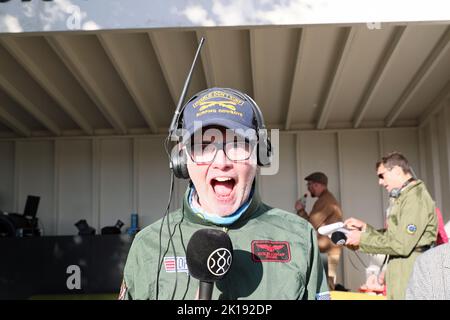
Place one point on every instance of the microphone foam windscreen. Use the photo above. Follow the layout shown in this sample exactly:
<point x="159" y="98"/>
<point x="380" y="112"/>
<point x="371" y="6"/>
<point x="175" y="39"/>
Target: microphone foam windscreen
<point x="209" y="254"/>
<point x="338" y="238"/>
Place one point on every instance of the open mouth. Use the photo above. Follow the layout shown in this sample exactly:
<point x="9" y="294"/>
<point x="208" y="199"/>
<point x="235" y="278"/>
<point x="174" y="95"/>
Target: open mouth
<point x="223" y="186"/>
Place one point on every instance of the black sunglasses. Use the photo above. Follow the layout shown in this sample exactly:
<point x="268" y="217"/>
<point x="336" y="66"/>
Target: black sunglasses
<point x="381" y="175"/>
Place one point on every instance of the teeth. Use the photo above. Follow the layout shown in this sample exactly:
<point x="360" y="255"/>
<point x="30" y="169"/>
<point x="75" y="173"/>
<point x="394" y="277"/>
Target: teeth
<point x="221" y="179"/>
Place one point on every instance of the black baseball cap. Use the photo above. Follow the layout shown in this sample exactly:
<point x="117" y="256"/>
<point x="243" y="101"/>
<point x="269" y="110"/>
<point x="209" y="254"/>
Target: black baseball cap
<point x="219" y="107"/>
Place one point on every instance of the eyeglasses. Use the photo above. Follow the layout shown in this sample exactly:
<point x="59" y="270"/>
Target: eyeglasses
<point x="381" y="175"/>
<point x="205" y="152"/>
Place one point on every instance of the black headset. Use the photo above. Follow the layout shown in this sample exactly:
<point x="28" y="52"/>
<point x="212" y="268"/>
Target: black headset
<point x="178" y="161"/>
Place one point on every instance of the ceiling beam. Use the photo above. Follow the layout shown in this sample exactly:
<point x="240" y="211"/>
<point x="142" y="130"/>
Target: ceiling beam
<point x="380" y="74"/>
<point x="38" y="73"/>
<point x="87" y="81"/>
<point x="207" y="60"/>
<point x="28" y="105"/>
<point x="336" y="76"/>
<point x="299" y="66"/>
<point x="129" y="80"/>
<point x="419" y="78"/>
<point x="156" y="40"/>
<point x="13" y="123"/>
<point x="435" y="106"/>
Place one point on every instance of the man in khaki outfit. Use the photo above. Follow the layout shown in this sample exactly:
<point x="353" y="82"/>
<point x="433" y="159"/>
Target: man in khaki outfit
<point x="411" y="225"/>
<point x="326" y="210"/>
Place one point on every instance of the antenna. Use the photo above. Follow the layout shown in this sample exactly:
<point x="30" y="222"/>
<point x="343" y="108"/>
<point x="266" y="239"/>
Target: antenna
<point x="176" y="116"/>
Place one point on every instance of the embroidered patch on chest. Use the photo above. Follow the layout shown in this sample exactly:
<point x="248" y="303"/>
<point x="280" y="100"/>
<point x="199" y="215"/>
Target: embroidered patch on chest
<point x="271" y="251"/>
<point x="411" y="229"/>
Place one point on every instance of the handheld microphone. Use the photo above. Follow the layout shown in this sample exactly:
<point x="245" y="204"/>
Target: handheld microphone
<point x="303" y="200"/>
<point x="339" y="238"/>
<point x="336" y="231"/>
<point x="209" y="256"/>
<point x="330" y="228"/>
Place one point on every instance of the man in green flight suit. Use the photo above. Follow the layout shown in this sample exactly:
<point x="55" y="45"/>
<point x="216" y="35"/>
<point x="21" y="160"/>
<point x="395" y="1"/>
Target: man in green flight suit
<point x="275" y="256"/>
<point x="411" y="225"/>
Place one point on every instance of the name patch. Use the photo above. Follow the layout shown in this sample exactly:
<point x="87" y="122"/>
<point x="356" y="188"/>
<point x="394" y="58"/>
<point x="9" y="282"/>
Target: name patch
<point x="271" y="251"/>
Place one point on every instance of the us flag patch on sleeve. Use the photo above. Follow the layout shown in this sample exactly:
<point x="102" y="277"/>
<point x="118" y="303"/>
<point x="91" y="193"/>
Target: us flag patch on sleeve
<point x="323" y="296"/>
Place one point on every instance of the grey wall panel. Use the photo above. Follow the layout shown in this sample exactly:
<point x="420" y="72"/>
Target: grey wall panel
<point x="435" y="137"/>
<point x="427" y="166"/>
<point x="280" y="190"/>
<point x="74" y="188"/>
<point x="443" y="140"/>
<point x="7" y="176"/>
<point x="116" y="181"/>
<point x="361" y="196"/>
<point x="430" y="147"/>
<point x="153" y="179"/>
<point x="35" y="170"/>
<point x="447" y="148"/>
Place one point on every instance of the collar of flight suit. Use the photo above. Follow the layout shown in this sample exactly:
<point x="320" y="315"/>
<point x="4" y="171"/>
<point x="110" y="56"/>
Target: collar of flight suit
<point x="409" y="187"/>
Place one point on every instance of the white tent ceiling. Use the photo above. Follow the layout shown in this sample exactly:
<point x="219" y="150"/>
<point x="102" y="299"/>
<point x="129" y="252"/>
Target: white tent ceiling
<point x="314" y="77"/>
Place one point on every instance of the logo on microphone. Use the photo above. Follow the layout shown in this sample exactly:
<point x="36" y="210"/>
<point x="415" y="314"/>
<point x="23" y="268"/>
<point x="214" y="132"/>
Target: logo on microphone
<point x="219" y="261"/>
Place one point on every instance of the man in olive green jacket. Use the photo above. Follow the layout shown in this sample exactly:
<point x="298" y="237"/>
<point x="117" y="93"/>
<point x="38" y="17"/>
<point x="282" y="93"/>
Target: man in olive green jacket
<point x="411" y="224"/>
<point x="275" y="253"/>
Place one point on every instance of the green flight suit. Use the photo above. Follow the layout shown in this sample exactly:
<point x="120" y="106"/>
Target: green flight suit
<point x="275" y="257"/>
<point x="411" y="224"/>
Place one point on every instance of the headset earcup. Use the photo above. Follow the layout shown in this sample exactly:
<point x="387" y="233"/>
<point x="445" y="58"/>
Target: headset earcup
<point x="395" y="193"/>
<point x="264" y="149"/>
<point x="179" y="165"/>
